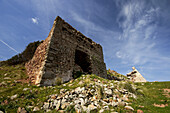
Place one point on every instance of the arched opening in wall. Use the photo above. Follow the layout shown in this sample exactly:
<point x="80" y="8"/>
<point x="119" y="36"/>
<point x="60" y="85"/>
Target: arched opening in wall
<point x="82" y="62"/>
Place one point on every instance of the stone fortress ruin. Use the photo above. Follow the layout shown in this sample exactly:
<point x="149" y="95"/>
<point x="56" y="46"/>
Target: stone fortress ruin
<point x="63" y="52"/>
<point x="135" y="76"/>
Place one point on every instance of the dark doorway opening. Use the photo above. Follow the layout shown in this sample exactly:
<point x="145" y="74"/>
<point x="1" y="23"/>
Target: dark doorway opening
<point x="83" y="60"/>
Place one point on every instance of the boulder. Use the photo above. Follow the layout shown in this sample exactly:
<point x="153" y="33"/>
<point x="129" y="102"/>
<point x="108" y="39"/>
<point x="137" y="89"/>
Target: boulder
<point x="101" y="111"/>
<point x="46" y="105"/>
<point x="25" y="89"/>
<point x="77" y="107"/>
<point x="109" y="92"/>
<point x="139" y="111"/>
<point x="84" y="108"/>
<point x="58" y="105"/>
<point x="79" y="90"/>
<point x="21" y="110"/>
<point x="129" y="108"/>
<point x="64" y="105"/>
<point x="106" y="107"/>
<point x="36" y="109"/>
<point x="91" y="107"/>
<point x="14" y="96"/>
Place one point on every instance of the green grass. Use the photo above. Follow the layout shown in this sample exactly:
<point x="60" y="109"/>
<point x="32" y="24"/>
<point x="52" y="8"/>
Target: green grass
<point x="153" y="93"/>
<point x="35" y="96"/>
<point x="148" y="93"/>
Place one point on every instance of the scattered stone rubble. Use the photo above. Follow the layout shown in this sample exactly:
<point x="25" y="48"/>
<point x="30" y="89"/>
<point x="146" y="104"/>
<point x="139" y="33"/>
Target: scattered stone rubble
<point x="135" y="76"/>
<point x="91" y="97"/>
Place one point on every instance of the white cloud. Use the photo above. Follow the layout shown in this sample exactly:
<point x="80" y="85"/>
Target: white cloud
<point x="35" y="20"/>
<point x="139" y="40"/>
<point x="139" y="29"/>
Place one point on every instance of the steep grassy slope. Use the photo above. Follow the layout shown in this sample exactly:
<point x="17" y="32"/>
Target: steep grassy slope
<point x="16" y="91"/>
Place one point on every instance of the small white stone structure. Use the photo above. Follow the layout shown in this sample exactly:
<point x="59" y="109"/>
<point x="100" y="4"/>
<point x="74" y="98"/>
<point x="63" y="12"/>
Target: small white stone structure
<point x="135" y="76"/>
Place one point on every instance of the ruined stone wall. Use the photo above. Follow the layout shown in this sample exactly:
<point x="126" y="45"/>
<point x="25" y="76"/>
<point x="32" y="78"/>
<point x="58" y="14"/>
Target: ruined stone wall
<point x="36" y="64"/>
<point x="67" y="50"/>
<point x="135" y="76"/>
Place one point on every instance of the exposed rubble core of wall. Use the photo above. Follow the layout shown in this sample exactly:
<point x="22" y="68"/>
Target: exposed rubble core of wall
<point x="65" y="51"/>
<point x="135" y="76"/>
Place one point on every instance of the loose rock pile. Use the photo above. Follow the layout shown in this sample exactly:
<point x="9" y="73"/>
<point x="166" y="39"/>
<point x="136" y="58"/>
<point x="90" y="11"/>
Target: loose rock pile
<point x="95" y="96"/>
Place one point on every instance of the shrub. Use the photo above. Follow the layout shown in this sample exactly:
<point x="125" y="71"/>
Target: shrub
<point x="77" y="74"/>
<point x="58" y="81"/>
<point x="129" y="87"/>
<point x="100" y="93"/>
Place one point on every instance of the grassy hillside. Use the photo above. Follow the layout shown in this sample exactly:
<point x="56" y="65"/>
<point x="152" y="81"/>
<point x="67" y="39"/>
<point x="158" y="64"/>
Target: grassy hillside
<point x="156" y="97"/>
<point x="16" y="91"/>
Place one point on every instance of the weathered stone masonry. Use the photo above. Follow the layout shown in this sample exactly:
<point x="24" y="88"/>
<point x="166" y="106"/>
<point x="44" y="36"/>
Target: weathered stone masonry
<point x="65" y="50"/>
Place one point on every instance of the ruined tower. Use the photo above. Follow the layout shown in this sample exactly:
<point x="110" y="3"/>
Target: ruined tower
<point x="63" y="52"/>
<point x="135" y="76"/>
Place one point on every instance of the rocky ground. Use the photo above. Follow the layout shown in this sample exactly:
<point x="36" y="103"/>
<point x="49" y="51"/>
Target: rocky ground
<point x="87" y="93"/>
<point x="94" y="95"/>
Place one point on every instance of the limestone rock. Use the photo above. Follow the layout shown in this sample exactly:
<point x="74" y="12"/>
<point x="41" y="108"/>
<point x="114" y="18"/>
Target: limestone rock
<point x="21" y="110"/>
<point x="7" y="78"/>
<point x="14" y="96"/>
<point x="64" y="105"/>
<point x="46" y="105"/>
<point x="58" y="105"/>
<point x="101" y="111"/>
<point x="129" y="108"/>
<point x="25" y="89"/>
<point x="30" y="107"/>
<point x="106" y="107"/>
<point x="79" y="90"/>
<point x="91" y="107"/>
<point x="90" y="97"/>
<point x="84" y="108"/>
<point x="108" y="91"/>
<point x="48" y="110"/>
<point x="121" y="104"/>
<point x="139" y="111"/>
<point x="54" y="96"/>
<point x="36" y="109"/>
<point x="77" y="108"/>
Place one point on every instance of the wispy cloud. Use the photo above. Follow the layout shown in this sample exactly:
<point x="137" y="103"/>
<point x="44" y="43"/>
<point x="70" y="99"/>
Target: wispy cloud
<point x="139" y="29"/>
<point x="35" y="20"/>
<point x="89" y="26"/>
<point x="9" y="46"/>
<point x="99" y="34"/>
<point x="141" y="46"/>
<point x="46" y="11"/>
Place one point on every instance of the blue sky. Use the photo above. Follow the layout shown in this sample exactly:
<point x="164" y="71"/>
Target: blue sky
<point x="131" y="32"/>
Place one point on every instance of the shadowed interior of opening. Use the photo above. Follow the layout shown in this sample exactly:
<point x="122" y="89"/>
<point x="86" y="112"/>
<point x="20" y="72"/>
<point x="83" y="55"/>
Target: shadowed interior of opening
<point x="83" y="60"/>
